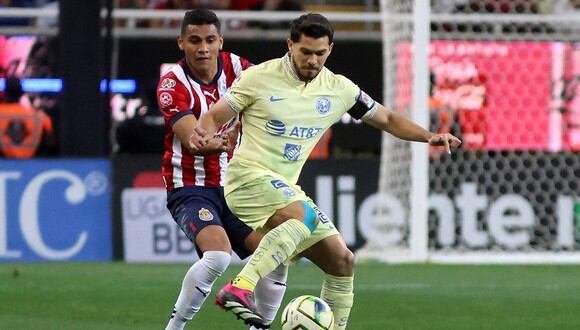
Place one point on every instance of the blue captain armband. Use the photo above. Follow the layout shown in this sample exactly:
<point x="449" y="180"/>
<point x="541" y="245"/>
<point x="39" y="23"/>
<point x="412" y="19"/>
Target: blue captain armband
<point x="364" y="107"/>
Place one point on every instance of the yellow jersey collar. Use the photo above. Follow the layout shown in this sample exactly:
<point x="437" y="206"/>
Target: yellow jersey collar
<point x="288" y="64"/>
<point x="292" y="70"/>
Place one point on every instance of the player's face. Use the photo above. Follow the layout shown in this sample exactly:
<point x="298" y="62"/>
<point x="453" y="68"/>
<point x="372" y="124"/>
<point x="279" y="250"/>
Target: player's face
<point x="309" y="55"/>
<point x="201" y="45"/>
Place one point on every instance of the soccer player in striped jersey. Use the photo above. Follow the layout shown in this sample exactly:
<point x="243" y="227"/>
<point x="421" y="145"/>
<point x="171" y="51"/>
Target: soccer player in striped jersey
<point x="286" y="105"/>
<point x="194" y="179"/>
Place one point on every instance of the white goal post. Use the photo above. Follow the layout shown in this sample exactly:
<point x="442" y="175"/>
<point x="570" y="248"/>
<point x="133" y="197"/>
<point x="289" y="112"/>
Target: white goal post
<point x="509" y="85"/>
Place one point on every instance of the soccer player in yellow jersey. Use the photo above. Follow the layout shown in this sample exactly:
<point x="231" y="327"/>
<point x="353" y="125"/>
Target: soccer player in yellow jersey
<point x="286" y="106"/>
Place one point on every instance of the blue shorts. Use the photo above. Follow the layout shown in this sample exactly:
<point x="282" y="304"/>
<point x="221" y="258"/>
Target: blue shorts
<point x="194" y="208"/>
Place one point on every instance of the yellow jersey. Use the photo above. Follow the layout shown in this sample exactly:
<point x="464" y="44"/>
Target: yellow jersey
<point x="283" y="118"/>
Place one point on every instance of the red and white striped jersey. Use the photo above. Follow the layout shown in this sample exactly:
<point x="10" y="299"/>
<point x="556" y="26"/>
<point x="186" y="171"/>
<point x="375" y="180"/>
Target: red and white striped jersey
<point x="179" y="93"/>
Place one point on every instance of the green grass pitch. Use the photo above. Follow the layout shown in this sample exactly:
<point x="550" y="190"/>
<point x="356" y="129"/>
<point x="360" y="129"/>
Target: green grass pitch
<point x="140" y="296"/>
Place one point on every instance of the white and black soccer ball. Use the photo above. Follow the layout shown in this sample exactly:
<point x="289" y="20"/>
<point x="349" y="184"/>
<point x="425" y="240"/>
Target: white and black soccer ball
<point x="307" y="313"/>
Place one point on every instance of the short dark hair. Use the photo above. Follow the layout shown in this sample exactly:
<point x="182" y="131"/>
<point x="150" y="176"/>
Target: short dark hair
<point x="12" y="90"/>
<point x="311" y="25"/>
<point x="200" y="16"/>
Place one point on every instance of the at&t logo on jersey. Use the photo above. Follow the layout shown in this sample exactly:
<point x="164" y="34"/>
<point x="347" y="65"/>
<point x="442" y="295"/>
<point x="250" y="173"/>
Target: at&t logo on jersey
<point x="278" y="128"/>
<point x="323" y="105"/>
<point x="292" y="151"/>
<point x="275" y="127"/>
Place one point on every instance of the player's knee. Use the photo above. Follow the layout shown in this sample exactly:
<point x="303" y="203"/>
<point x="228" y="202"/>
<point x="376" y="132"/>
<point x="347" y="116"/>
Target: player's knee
<point x="349" y="260"/>
<point x="344" y="263"/>
<point x="213" y="238"/>
<point x="310" y="219"/>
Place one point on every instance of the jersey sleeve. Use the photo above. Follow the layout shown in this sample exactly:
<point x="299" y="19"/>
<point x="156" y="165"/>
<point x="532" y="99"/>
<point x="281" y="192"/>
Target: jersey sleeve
<point x="241" y="94"/>
<point x="173" y="99"/>
<point x="359" y="104"/>
<point x="347" y="91"/>
<point x="245" y="63"/>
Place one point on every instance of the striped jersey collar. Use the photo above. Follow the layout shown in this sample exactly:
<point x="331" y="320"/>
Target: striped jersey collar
<point x="218" y="73"/>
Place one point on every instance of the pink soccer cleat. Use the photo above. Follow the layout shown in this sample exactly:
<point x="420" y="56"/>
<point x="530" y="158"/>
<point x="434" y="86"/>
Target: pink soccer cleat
<point x="241" y="303"/>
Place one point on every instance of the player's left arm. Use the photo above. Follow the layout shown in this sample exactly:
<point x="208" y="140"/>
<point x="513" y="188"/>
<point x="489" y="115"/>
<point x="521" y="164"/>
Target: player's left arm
<point x="406" y="129"/>
<point x="209" y="123"/>
<point x="183" y="128"/>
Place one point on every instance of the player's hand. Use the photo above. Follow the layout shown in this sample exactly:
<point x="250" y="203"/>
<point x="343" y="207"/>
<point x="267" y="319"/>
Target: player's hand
<point x="198" y="139"/>
<point x="449" y="141"/>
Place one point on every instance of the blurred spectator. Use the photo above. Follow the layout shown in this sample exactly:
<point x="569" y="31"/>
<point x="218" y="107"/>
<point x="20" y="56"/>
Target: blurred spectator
<point x="266" y="5"/>
<point x="23" y="129"/>
<point x="132" y="4"/>
<point x="447" y="6"/>
<point x="290" y="5"/>
<point x="500" y="6"/>
<point x="42" y="58"/>
<point x="174" y="4"/>
<point x="558" y="6"/>
<point x="20" y="21"/>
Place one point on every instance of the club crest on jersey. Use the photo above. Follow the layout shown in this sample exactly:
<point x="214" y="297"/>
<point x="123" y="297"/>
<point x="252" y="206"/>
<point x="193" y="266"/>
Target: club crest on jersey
<point x="292" y="151"/>
<point x="167" y="84"/>
<point x="165" y="99"/>
<point x="323" y="105"/>
<point x="205" y="214"/>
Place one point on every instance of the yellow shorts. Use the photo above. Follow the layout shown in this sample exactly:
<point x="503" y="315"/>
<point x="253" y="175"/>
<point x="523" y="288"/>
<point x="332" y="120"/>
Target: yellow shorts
<point x="256" y="201"/>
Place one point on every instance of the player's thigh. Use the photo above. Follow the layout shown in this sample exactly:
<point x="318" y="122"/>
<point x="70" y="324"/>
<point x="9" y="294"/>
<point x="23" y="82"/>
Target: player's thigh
<point x="332" y="256"/>
<point x="257" y="201"/>
<point x="197" y="213"/>
<point x="243" y="239"/>
<point x="294" y="210"/>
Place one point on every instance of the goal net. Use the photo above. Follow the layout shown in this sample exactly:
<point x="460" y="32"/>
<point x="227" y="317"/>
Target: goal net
<point x="504" y="76"/>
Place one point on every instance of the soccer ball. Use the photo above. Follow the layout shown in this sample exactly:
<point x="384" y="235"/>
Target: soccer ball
<point x="307" y="313"/>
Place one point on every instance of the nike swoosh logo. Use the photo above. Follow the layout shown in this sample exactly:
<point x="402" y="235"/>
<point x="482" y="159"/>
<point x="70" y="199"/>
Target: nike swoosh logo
<point x="276" y="99"/>
<point x="204" y="293"/>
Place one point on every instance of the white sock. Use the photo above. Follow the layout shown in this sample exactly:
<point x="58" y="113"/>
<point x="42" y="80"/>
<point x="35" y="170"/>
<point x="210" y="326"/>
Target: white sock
<point x="269" y="293"/>
<point x="196" y="287"/>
